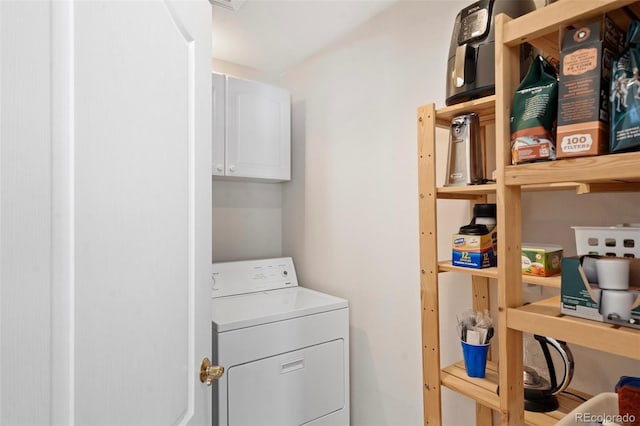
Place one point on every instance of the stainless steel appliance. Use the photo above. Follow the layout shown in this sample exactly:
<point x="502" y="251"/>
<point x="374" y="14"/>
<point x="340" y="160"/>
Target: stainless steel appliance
<point x="471" y="64"/>
<point x="465" y="162"/>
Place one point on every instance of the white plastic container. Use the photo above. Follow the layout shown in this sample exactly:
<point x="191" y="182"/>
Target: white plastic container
<point x="601" y="409"/>
<point x="620" y="241"/>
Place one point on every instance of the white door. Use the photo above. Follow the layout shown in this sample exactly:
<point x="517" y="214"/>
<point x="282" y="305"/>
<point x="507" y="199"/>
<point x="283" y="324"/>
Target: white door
<point x="258" y="130"/>
<point x="105" y="204"/>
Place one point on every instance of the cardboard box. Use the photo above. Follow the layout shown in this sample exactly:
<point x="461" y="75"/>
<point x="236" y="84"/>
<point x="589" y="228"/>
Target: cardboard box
<point x="474" y="251"/>
<point x="583" y="93"/>
<point x="543" y="260"/>
<point x="579" y="299"/>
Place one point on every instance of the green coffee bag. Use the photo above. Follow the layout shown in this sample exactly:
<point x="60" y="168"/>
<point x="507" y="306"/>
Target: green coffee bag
<point x="533" y="114"/>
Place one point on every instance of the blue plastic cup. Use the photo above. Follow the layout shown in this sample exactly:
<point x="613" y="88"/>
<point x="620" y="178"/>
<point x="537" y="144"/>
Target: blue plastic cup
<point x="475" y="358"/>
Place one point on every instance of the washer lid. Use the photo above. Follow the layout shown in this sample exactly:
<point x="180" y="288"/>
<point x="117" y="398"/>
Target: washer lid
<point x="247" y="310"/>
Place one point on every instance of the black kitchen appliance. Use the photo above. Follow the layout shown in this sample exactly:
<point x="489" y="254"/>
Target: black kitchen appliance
<point x="540" y="393"/>
<point x="471" y="64"/>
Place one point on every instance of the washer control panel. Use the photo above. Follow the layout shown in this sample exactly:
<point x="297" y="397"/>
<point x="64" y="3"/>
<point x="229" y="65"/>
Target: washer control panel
<point x="249" y="276"/>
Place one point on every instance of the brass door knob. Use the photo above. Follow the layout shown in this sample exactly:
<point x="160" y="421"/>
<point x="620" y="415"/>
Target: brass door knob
<point x="208" y="372"/>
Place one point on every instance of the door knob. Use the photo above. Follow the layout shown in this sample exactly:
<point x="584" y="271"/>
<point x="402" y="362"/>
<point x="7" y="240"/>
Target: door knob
<point x="220" y="167"/>
<point x="208" y="372"/>
<point x="232" y="168"/>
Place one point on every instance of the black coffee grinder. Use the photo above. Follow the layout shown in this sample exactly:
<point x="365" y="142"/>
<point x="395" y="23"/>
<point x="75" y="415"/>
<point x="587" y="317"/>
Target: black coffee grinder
<point x="471" y="64"/>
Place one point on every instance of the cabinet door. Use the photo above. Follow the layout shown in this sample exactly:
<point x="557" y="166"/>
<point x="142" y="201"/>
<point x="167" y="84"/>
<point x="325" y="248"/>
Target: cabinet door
<point x="258" y="130"/>
<point x="218" y="127"/>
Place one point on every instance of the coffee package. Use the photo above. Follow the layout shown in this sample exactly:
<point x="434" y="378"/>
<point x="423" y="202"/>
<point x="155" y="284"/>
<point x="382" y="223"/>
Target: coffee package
<point x="533" y="114"/>
<point x="583" y="97"/>
<point x="625" y="95"/>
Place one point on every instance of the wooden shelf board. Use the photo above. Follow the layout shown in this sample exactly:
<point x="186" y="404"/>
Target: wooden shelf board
<point x="544" y="318"/>
<point x="553" y="281"/>
<point x="484" y="107"/>
<point x="616" y="170"/>
<point x="474" y="192"/>
<point x="549" y="43"/>
<point x="567" y="404"/>
<point x="528" y="28"/>
<point x="610" y="187"/>
<point x="469" y="192"/>
<point x="580" y="188"/>
<point x="485" y="392"/>
<point x="446" y="266"/>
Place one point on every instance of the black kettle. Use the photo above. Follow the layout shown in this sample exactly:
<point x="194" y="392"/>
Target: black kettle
<point x="540" y="393"/>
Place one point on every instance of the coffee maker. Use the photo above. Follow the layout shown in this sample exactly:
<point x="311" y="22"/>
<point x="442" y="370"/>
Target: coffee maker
<point x="471" y="64"/>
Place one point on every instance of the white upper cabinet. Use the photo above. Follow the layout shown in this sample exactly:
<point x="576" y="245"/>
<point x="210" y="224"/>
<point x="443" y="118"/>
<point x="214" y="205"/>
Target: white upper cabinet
<point x="251" y="130"/>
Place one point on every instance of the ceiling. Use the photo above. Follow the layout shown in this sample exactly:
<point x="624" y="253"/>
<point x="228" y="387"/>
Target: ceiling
<point x="273" y="35"/>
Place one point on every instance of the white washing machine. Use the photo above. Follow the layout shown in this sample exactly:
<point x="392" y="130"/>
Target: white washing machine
<point x="285" y="348"/>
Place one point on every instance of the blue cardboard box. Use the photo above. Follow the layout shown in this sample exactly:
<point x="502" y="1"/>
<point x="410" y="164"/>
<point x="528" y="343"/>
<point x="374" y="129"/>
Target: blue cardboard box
<point x="474" y="251"/>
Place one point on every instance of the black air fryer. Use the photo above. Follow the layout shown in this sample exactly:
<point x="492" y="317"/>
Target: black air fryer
<point x="471" y="65"/>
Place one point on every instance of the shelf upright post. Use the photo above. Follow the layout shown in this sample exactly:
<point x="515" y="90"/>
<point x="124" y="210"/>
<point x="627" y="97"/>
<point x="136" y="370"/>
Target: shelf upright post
<point x="509" y="209"/>
<point x="481" y="288"/>
<point x="481" y="301"/>
<point x="427" y="203"/>
<point x="432" y="397"/>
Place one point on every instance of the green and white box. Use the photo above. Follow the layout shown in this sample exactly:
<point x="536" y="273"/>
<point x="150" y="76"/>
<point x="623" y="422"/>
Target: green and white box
<point x="579" y="298"/>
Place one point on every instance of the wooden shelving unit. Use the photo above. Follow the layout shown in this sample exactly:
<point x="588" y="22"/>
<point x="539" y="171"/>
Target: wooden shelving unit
<point x="608" y="173"/>
<point x="485" y="391"/>
<point x="544" y="318"/>
<point x="446" y="266"/>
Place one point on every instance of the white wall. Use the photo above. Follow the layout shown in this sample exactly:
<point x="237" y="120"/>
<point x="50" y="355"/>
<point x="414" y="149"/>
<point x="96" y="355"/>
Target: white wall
<point x="351" y="214"/>
<point x="351" y="211"/>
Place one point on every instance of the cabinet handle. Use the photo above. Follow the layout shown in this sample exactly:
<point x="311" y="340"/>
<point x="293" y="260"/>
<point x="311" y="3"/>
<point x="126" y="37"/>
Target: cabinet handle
<point x="232" y="168"/>
<point x="219" y="167"/>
